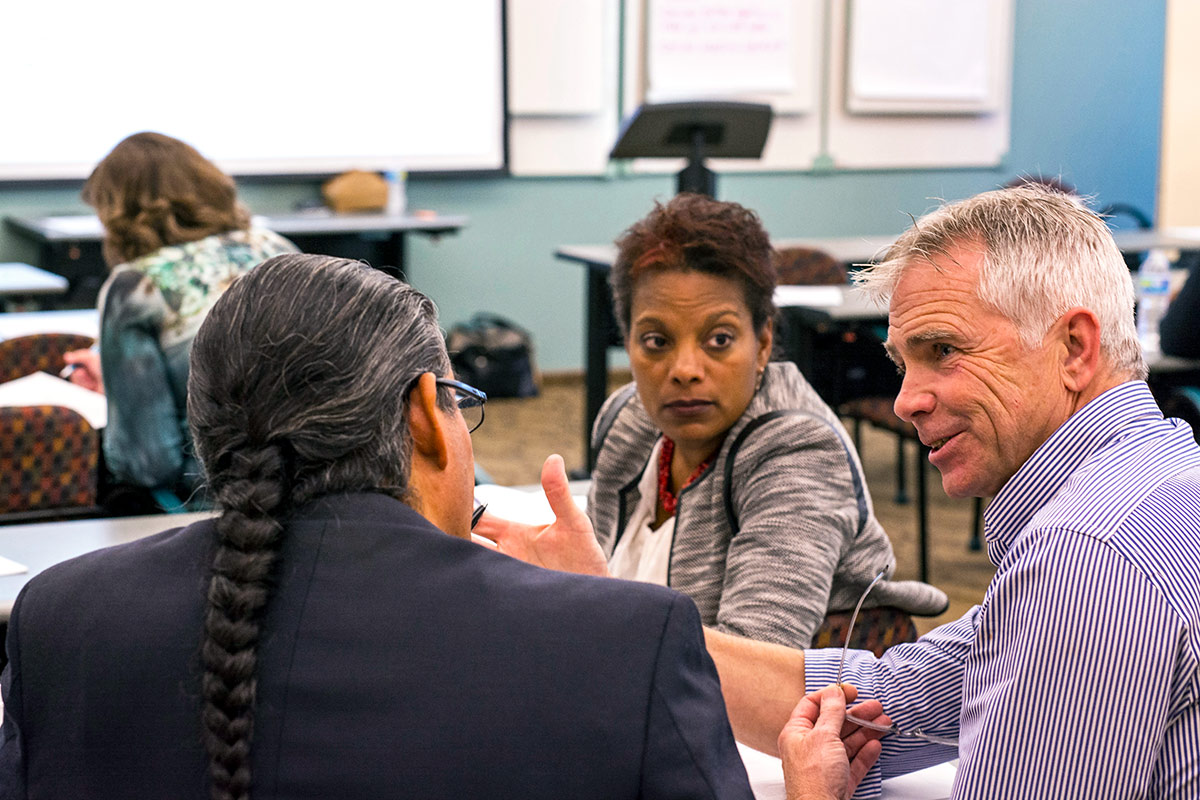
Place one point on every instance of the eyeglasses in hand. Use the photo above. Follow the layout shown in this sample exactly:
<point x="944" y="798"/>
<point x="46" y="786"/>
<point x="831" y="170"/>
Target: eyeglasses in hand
<point x="469" y="401"/>
<point x="916" y="733"/>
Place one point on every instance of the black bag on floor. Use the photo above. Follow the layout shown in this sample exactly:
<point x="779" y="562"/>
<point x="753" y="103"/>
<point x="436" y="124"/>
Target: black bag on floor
<point x="494" y="355"/>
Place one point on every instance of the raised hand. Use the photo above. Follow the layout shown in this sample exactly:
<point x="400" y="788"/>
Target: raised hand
<point x="568" y="544"/>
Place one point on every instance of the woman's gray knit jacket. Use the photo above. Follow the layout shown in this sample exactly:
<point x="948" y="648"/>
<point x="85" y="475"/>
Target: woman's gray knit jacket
<point x="777" y="532"/>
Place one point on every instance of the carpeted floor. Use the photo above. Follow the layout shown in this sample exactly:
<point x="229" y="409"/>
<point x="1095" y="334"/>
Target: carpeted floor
<point x="517" y="435"/>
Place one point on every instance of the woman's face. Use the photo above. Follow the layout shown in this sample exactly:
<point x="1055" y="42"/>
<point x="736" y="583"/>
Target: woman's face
<point x="695" y="355"/>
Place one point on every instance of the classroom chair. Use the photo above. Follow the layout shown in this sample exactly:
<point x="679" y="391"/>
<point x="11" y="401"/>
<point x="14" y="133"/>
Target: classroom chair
<point x="38" y="352"/>
<point x="1184" y="403"/>
<point x="806" y="266"/>
<point x="49" y="464"/>
<point x="877" y="629"/>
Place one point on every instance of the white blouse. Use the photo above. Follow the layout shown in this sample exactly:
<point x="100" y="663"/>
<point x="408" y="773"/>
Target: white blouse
<point x="643" y="554"/>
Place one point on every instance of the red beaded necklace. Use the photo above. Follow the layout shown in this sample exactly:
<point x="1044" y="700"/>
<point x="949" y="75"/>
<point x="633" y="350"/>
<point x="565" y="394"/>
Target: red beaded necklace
<point x="666" y="497"/>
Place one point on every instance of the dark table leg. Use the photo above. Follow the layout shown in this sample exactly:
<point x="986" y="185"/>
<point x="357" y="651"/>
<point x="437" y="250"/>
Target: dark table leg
<point x="397" y="254"/>
<point x="596" y="357"/>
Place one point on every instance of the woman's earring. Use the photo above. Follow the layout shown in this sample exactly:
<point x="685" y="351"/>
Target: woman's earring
<point x="758" y="379"/>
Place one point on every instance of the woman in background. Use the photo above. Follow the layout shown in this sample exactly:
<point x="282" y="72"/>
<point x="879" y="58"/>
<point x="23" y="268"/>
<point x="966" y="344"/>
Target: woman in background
<point x="719" y="473"/>
<point x="175" y="236"/>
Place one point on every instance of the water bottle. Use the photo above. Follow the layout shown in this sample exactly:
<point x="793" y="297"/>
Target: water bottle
<point x="1153" y="287"/>
<point x="396" y="196"/>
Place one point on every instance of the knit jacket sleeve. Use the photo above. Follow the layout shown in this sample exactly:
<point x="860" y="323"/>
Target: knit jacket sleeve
<point x="797" y="508"/>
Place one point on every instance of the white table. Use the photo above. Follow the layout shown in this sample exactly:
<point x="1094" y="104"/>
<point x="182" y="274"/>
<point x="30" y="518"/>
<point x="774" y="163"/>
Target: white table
<point x="932" y="783"/>
<point x="22" y="323"/>
<point x="22" y="279"/>
<point x="41" y="545"/>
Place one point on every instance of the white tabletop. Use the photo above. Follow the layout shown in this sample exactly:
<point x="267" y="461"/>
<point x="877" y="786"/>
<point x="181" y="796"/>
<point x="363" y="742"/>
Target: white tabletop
<point x="866" y="248"/>
<point x="41" y="545"/>
<point x="318" y="220"/>
<point x="846" y="249"/>
<point x="18" y="278"/>
<point x="84" y="321"/>
<point x="932" y="783"/>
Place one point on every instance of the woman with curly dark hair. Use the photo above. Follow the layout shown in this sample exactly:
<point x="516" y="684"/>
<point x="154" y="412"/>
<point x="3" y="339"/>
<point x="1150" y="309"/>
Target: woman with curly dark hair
<point x="720" y="473"/>
<point x="175" y="236"/>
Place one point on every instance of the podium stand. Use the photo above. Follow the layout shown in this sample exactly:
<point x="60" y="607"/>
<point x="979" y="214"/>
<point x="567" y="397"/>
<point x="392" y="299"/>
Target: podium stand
<point x="695" y="131"/>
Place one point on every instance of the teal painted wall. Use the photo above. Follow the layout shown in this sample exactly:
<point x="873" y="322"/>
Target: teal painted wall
<point x="1086" y="105"/>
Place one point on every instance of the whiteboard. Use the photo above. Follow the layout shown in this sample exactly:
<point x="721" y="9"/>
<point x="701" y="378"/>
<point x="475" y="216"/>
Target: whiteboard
<point x="703" y="49"/>
<point x="650" y="75"/>
<point x="556" y="57"/>
<point x="263" y="87"/>
<point x="914" y="131"/>
<point x="920" y="56"/>
<point x="563" y="116"/>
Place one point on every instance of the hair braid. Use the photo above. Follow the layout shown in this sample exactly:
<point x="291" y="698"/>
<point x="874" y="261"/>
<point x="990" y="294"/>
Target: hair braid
<point x="297" y="389"/>
<point x="250" y="535"/>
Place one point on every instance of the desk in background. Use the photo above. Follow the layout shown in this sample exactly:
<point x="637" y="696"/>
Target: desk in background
<point x="22" y="280"/>
<point x="70" y="245"/>
<point x="601" y="330"/>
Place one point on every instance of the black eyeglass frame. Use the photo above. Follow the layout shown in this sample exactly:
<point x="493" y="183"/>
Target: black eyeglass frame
<point x="467" y="397"/>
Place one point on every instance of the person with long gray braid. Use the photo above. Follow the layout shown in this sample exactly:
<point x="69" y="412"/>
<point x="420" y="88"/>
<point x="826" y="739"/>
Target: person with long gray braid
<point x="334" y="632"/>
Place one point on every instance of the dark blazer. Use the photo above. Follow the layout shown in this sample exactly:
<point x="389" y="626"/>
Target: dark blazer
<point x="397" y="661"/>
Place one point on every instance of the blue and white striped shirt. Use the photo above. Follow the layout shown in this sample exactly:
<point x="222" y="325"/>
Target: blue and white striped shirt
<point x="1078" y="675"/>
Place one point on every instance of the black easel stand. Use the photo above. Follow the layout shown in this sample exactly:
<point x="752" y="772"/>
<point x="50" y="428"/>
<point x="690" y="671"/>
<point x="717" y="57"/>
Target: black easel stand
<point x="695" y="131"/>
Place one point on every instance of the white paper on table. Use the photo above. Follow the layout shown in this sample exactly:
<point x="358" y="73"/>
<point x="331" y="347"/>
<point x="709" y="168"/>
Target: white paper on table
<point x="766" y="779"/>
<point x="40" y="389"/>
<point x="931" y="783"/>
<point x="765" y="773"/>
<point x="519" y="505"/>
<point x="10" y="567"/>
<point x="814" y="296"/>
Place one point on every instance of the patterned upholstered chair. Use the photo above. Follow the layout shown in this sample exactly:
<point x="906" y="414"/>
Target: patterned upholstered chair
<point x="49" y="464"/>
<point x="877" y="629"/>
<point x="804" y="266"/>
<point x="37" y="352"/>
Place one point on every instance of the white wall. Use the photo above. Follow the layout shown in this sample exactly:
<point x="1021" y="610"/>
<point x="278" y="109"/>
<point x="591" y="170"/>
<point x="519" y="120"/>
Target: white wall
<point x="1179" y="170"/>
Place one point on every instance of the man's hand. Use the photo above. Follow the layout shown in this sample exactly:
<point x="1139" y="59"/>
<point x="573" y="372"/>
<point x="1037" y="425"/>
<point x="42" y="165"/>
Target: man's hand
<point x="567" y="544"/>
<point x="823" y="756"/>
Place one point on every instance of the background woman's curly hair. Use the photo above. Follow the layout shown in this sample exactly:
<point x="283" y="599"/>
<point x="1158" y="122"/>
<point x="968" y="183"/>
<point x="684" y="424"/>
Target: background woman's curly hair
<point x="152" y="191"/>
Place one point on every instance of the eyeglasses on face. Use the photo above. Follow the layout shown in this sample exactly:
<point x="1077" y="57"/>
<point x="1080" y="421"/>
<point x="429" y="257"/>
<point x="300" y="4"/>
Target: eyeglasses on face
<point x="469" y="401"/>
<point x="895" y="730"/>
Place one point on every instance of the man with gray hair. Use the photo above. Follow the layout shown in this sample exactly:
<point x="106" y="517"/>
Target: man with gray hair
<point x="1011" y="319"/>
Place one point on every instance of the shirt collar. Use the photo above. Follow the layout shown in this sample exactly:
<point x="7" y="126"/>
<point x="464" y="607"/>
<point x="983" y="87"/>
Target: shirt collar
<point x="1085" y="432"/>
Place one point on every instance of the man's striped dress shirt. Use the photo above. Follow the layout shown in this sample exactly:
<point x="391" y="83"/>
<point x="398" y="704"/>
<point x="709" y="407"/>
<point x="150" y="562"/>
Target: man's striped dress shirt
<point x="1077" y="676"/>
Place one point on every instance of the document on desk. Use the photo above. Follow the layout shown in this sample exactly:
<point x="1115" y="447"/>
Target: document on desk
<point x="10" y="567"/>
<point x="766" y="779"/>
<point x="811" y="296"/>
<point x="40" y="389"/>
